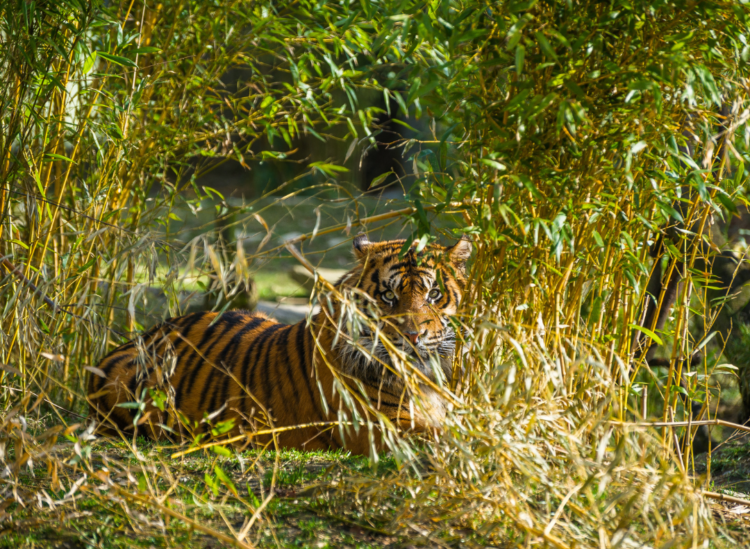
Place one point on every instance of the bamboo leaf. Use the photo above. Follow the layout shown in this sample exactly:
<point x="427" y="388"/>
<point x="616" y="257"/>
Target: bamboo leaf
<point x="648" y="332"/>
<point x="545" y="46"/>
<point x="118" y="59"/>
<point x="493" y="164"/>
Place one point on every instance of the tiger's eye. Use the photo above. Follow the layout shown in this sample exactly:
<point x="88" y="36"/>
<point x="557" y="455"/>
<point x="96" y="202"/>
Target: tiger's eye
<point x="389" y="296"/>
<point x="434" y="294"/>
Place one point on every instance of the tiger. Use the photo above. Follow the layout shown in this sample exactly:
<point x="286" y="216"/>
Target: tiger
<point x="256" y="375"/>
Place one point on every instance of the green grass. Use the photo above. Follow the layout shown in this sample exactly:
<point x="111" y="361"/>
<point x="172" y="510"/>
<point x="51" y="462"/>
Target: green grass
<point x="306" y="511"/>
<point x="299" y="515"/>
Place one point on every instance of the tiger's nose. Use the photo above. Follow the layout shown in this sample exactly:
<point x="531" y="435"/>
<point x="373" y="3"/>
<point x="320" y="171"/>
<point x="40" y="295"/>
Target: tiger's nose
<point x="413" y="336"/>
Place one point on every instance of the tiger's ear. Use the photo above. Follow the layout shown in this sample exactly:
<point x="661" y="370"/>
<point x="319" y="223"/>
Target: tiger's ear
<point x="460" y="251"/>
<point x="360" y="245"/>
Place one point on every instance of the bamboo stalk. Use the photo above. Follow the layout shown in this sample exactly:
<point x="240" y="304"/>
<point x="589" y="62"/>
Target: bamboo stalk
<point x="682" y="424"/>
<point x="723" y="497"/>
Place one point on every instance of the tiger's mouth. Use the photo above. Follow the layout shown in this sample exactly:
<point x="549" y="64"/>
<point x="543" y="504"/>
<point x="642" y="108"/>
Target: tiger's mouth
<point x="414" y="351"/>
<point x="374" y="364"/>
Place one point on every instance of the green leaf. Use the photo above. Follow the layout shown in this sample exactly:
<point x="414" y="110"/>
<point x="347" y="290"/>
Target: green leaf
<point x="39" y="184"/>
<point x="422" y="243"/>
<point x="523" y="5"/>
<point x="223" y="427"/>
<point x="525" y="181"/>
<point x="89" y="63"/>
<point x="52" y="156"/>
<point x="211" y="482"/>
<point x="211" y="191"/>
<point x="493" y="164"/>
<point x="404" y="124"/>
<point x="648" y="332"/>
<point x="159" y="398"/>
<point x="130" y="405"/>
<point x="575" y="89"/>
<point x="598" y="239"/>
<point x="520" y="54"/>
<point x="329" y="169"/>
<point x="222" y="476"/>
<point x="424" y="224"/>
<point x="252" y="497"/>
<point x="144" y="49"/>
<point x="221" y="450"/>
<point x="379" y="180"/>
<point x="545" y="46"/>
<point x="705" y="342"/>
<point x="727" y="203"/>
<point x="709" y="83"/>
<point x="118" y="59"/>
<point x="401" y="104"/>
<point x="88" y="264"/>
<point x="738" y="175"/>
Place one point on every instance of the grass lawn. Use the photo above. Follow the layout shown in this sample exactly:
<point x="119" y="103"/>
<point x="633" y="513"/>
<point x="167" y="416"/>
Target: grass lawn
<point x="305" y="510"/>
<point x="222" y="493"/>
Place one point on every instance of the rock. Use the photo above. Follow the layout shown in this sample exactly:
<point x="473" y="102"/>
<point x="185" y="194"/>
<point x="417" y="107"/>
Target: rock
<point x="283" y="312"/>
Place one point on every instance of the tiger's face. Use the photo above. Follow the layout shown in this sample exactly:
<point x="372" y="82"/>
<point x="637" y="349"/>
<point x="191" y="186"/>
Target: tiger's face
<point x="410" y="299"/>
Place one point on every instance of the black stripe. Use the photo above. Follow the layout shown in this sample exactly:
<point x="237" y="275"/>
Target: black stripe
<point x="133" y="385"/>
<point x="226" y="356"/>
<point x="124" y="347"/>
<point x="401" y="265"/>
<point x="183" y="325"/>
<point x="261" y="365"/>
<point x="192" y="369"/>
<point x="256" y="344"/>
<point x="113" y="362"/>
<point x="306" y="365"/>
<point x="232" y="317"/>
<point x="422" y="271"/>
<point x="448" y="296"/>
<point x="143" y="337"/>
<point x="375" y="278"/>
<point x="248" y="365"/>
<point x="184" y="329"/>
<point x="233" y="344"/>
<point x="228" y="325"/>
<point x="394" y="276"/>
<point x="283" y="343"/>
<point x="207" y="386"/>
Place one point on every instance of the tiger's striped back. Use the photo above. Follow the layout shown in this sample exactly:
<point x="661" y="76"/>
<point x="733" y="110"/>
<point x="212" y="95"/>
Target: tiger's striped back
<point x="259" y="374"/>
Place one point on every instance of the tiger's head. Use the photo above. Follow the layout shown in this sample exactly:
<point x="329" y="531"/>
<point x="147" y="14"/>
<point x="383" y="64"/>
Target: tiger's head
<point x="409" y="298"/>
